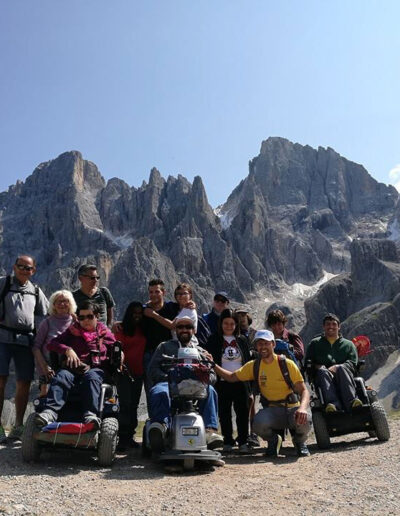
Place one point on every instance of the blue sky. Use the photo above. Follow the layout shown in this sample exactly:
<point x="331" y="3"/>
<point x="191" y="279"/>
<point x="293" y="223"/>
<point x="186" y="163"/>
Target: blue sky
<point x="193" y="87"/>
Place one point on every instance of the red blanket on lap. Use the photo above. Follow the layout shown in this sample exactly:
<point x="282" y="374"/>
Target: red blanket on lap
<point x="68" y="428"/>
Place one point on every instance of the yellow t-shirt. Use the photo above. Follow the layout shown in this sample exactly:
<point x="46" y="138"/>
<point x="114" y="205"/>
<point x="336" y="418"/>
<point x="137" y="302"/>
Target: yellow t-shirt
<point x="271" y="382"/>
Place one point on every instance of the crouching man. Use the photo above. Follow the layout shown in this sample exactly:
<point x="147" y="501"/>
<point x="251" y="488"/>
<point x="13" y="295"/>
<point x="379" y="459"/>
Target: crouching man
<point x="279" y="381"/>
<point x="160" y="402"/>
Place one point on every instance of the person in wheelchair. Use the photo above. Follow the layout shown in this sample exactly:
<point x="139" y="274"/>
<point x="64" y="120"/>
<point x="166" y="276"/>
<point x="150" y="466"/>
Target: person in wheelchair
<point x="85" y="349"/>
<point x="160" y="401"/>
<point x="280" y="385"/>
<point x="332" y="362"/>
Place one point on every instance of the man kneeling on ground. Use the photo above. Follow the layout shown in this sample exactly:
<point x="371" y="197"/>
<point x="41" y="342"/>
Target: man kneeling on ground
<point x="160" y="402"/>
<point x="279" y="381"/>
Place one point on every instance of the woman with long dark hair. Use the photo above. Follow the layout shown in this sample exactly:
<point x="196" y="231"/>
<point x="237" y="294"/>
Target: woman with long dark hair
<point x="231" y="351"/>
<point x="130" y="385"/>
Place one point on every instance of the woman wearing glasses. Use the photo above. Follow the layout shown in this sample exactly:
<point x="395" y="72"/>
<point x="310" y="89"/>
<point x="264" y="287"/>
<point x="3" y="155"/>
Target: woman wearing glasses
<point x="84" y="346"/>
<point x="62" y="308"/>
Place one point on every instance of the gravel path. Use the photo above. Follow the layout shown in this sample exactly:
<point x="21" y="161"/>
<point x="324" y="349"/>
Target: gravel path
<point x="358" y="475"/>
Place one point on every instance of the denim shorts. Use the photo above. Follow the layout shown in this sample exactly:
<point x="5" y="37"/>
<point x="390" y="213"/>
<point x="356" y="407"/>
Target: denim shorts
<point x="23" y="361"/>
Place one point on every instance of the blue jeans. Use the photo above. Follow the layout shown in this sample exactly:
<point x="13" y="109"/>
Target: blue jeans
<point x="160" y="406"/>
<point x="88" y="386"/>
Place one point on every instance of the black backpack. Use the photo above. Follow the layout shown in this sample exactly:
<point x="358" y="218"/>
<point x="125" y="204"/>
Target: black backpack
<point x="290" y="398"/>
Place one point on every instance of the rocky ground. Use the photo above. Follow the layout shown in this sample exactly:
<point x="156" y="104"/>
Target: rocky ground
<point x="358" y="475"/>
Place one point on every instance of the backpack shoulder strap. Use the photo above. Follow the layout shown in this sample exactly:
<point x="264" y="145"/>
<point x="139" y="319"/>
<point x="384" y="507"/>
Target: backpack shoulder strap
<point x="256" y="373"/>
<point x="4" y="292"/>
<point x="6" y="287"/>
<point x="285" y="371"/>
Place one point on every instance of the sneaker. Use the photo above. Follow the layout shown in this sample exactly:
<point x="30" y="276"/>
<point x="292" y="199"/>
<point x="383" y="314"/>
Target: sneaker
<point x="245" y="448"/>
<point x="157" y="432"/>
<point x="356" y="403"/>
<point x="90" y="417"/>
<point x="45" y="418"/>
<point x="330" y="407"/>
<point x="302" y="450"/>
<point x="274" y="446"/>
<point x="16" y="433"/>
<point x="3" y="437"/>
<point x="227" y="448"/>
<point x="213" y="439"/>
<point x="253" y="441"/>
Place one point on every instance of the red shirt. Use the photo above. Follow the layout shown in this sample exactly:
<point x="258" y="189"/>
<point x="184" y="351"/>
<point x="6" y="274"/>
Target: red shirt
<point x="133" y="347"/>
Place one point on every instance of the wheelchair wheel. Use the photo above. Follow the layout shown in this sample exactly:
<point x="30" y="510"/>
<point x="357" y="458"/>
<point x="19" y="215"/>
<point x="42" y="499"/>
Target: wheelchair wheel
<point x="30" y="447"/>
<point x="321" y="430"/>
<point x="380" y="421"/>
<point x="107" y="441"/>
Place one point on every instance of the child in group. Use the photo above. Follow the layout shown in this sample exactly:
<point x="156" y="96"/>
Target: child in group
<point x="231" y="351"/>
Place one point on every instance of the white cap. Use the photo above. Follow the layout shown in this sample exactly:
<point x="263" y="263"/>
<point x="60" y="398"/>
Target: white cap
<point x="263" y="335"/>
<point x="186" y="315"/>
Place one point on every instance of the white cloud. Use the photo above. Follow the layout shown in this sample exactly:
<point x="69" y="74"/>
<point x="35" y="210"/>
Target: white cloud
<point x="394" y="175"/>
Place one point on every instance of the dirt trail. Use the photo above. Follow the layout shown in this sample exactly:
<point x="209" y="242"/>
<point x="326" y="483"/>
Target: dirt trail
<point x="358" y="475"/>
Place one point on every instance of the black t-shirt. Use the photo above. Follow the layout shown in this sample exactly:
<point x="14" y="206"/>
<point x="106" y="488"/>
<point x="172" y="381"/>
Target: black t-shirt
<point x="156" y="332"/>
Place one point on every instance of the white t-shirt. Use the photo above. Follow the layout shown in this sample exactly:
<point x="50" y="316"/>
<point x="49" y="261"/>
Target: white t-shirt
<point x="231" y="359"/>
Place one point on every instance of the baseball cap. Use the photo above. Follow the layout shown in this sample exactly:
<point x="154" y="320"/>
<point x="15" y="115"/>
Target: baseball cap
<point x="223" y="294"/>
<point x="263" y="335"/>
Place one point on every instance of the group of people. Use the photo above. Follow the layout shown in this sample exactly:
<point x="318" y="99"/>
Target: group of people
<point x="70" y="336"/>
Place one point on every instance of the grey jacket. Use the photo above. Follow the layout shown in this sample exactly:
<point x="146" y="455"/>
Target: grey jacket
<point x="21" y="311"/>
<point x="170" y="348"/>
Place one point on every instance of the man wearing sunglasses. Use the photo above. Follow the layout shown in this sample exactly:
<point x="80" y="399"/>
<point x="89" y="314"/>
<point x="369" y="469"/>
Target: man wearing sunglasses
<point x="160" y="402"/>
<point x="22" y="306"/>
<point x="90" y="291"/>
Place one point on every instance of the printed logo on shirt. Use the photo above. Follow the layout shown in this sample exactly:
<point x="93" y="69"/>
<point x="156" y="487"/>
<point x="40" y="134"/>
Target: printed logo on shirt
<point x="263" y="379"/>
<point x="231" y="353"/>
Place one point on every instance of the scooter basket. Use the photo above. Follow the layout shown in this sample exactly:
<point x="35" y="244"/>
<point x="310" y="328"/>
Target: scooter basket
<point x="189" y="381"/>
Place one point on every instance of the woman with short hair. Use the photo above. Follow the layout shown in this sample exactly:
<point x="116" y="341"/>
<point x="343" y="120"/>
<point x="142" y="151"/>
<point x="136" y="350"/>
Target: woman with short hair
<point x="62" y="308"/>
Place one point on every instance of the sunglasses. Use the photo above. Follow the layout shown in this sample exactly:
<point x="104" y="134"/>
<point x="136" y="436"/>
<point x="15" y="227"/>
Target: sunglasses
<point x="92" y="277"/>
<point x="90" y="317"/>
<point x="24" y="267"/>
<point x="185" y="327"/>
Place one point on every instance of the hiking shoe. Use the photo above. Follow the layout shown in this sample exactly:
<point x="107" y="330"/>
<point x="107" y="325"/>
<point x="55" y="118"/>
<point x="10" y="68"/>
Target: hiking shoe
<point x="330" y="407"/>
<point x="274" y="446"/>
<point x="3" y="437"/>
<point x="90" y="417"/>
<point x="245" y="448"/>
<point x="16" y="433"/>
<point x="45" y="418"/>
<point x="356" y="403"/>
<point x="213" y="439"/>
<point x="253" y="441"/>
<point x="157" y="432"/>
<point x="302" y="450"/>
<point x="227" y="448"/>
